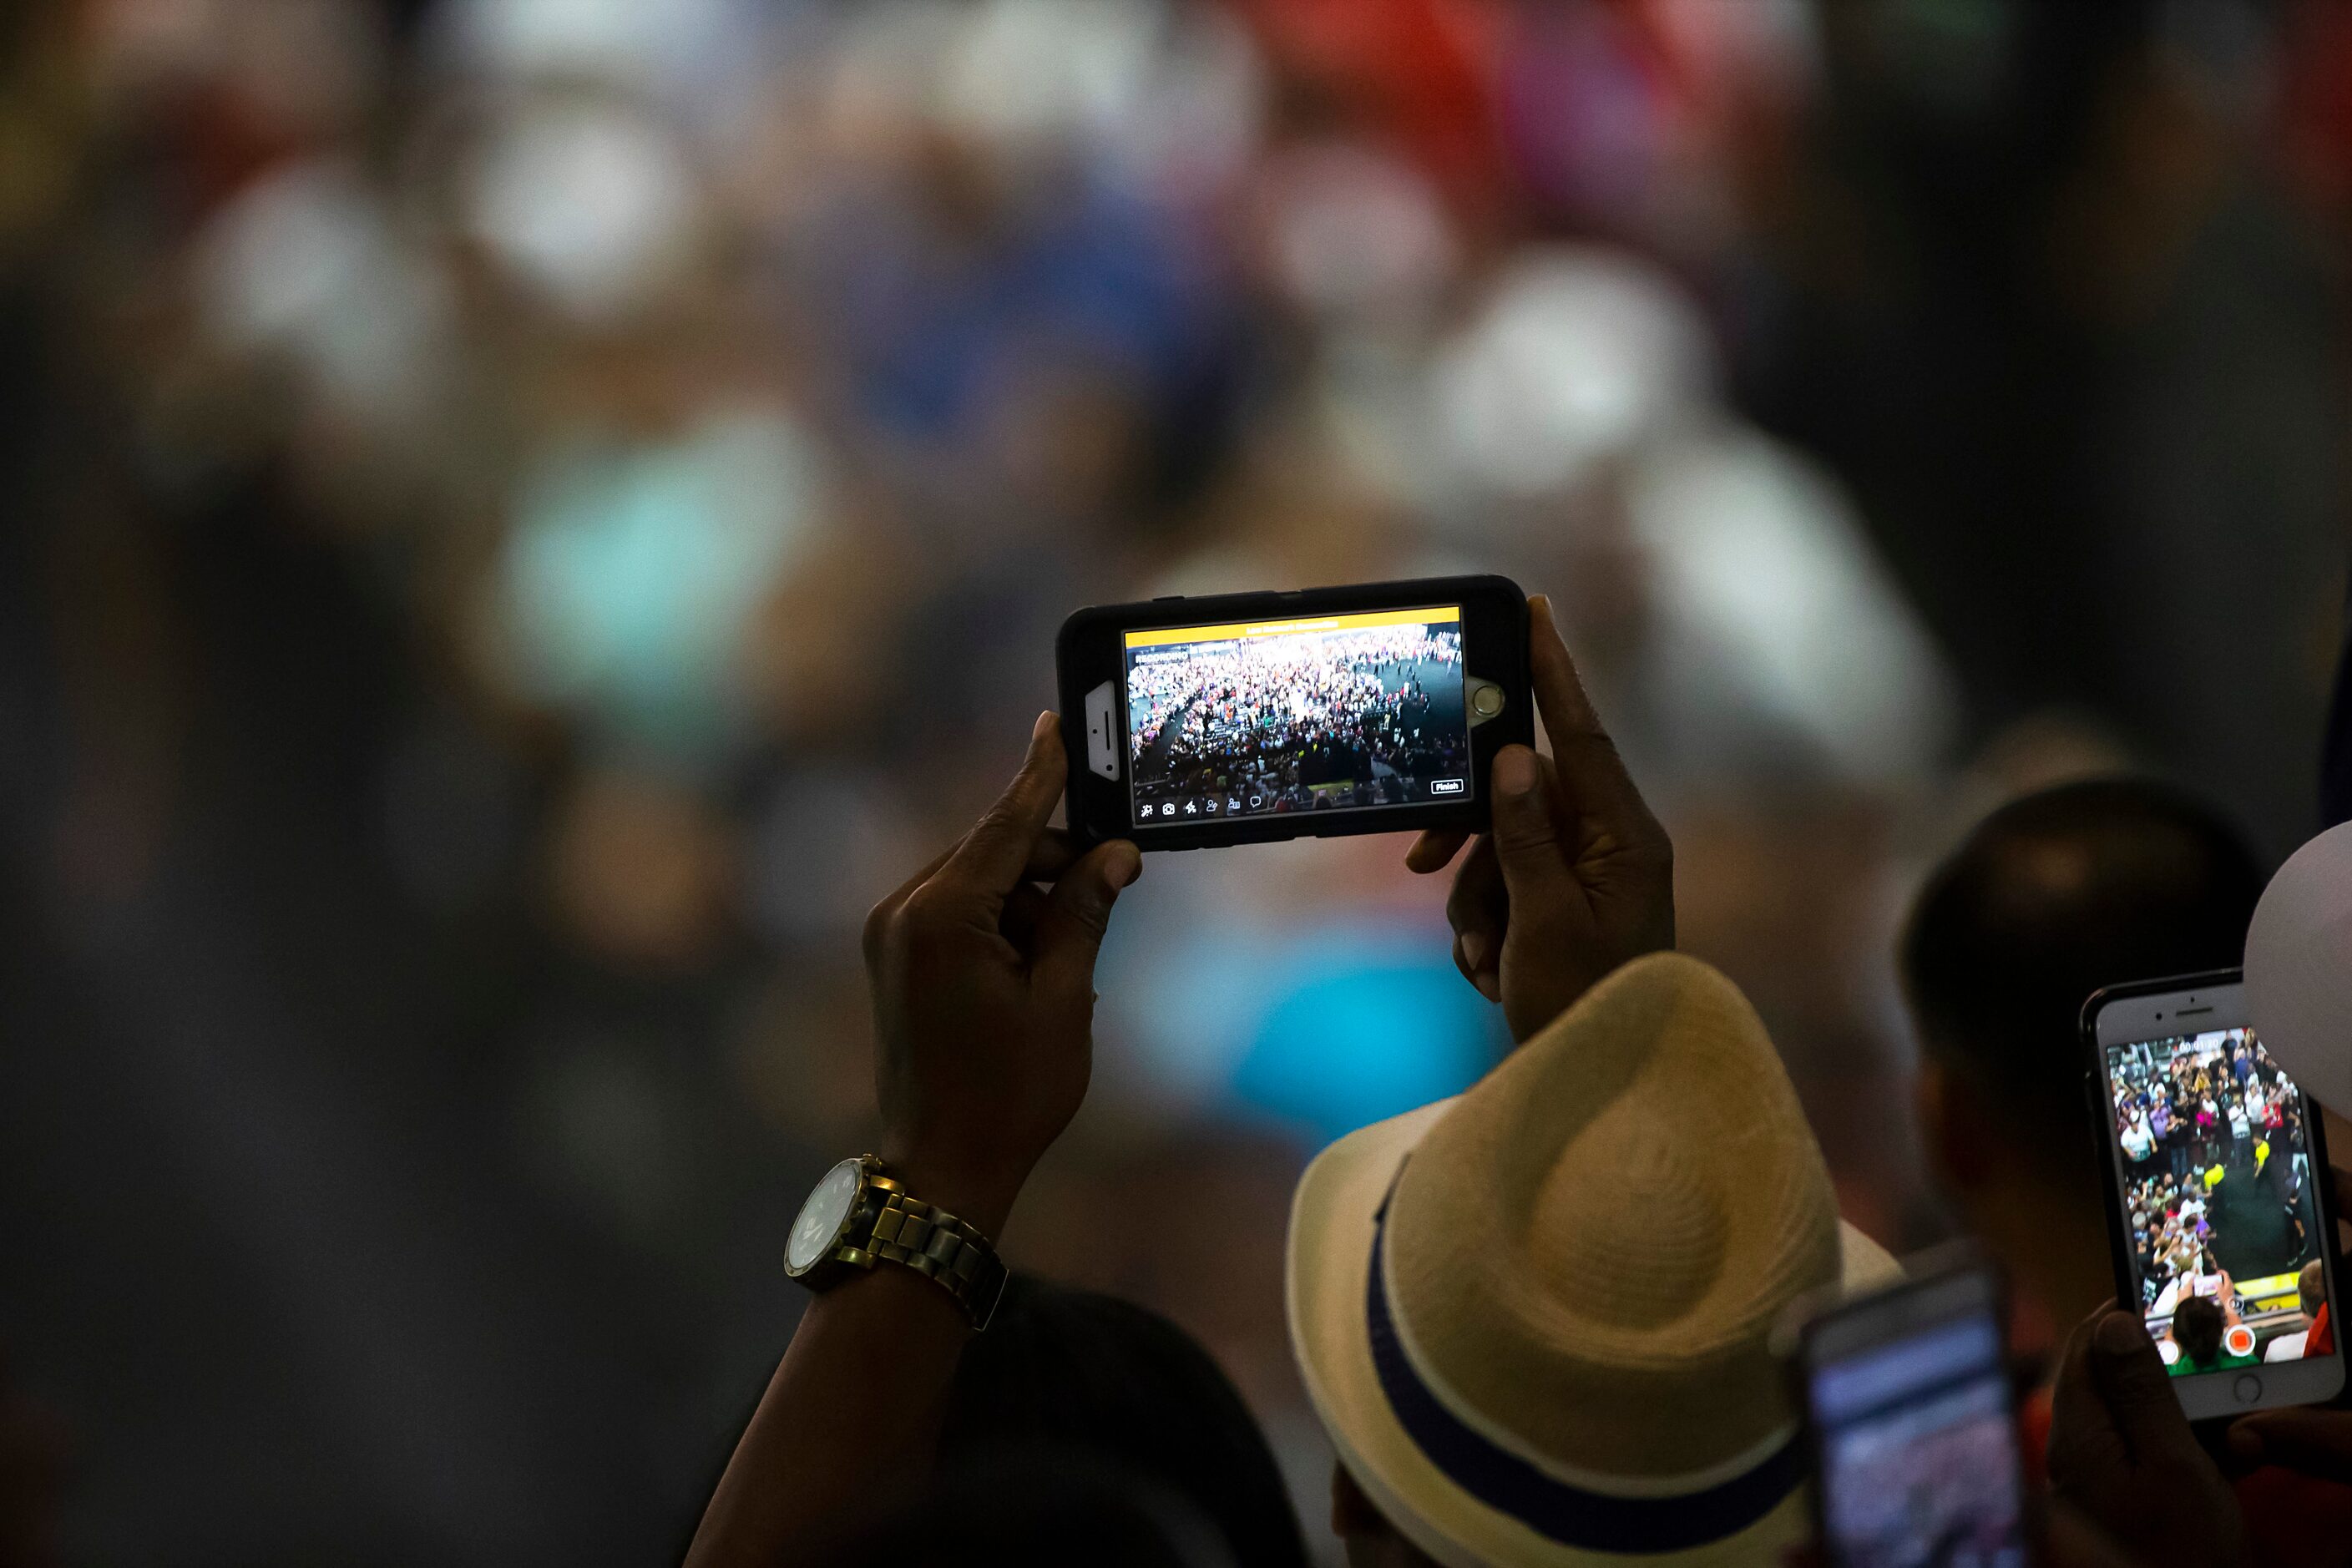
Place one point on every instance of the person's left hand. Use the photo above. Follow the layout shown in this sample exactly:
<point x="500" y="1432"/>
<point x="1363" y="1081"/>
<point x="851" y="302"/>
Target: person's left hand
<point x="2121" y="1452"/>
<point x="984" y="995"/>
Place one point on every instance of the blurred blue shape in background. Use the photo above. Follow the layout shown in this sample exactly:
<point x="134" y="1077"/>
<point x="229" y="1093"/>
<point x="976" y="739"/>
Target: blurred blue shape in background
<point x="1366" y="1027"/>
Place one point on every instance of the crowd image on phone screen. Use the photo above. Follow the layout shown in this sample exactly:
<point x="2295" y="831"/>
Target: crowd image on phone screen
<point x="1337" y="712"/>
<point x="2217" y="1180"/>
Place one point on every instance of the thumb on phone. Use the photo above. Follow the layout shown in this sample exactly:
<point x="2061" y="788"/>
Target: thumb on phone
<point x="2314" y="1441"/>
<point x="1077" y="913"/>
<point x="1525" y="832"/>
<point x="2136" y="1387"/>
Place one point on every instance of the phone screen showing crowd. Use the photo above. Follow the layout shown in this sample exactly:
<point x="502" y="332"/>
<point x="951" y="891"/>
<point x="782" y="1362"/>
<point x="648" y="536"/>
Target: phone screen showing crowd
<point x="1351" y="712"/>
<point x="1920" y="1452"/>
<point x="2217" y="1181"/>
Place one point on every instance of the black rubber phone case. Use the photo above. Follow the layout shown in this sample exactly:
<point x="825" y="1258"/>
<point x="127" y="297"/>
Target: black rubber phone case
<point x="1090" y="651"/>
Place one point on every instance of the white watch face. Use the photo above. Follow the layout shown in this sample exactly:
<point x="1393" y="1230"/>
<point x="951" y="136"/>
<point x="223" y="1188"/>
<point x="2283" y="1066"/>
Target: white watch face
<point x="821" y="1217"/>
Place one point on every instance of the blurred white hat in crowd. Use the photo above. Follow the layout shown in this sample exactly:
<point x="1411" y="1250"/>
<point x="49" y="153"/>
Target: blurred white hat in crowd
<point x="1351" y="230"/>
<point x="1032" y="71"/>
<point x="1774" y="621"/>
<point x="695" y="56"/>
<point x="1008" y="72"/>
<point x="592" y="202"/>
<point x="1772" y="630"/>
<point x="304" y="262"/>
<point x="1169" y="93"/>
<point x="1579" y="354"/>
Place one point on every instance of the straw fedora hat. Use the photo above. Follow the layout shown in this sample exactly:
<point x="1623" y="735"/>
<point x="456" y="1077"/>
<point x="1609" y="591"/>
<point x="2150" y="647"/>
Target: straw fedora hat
<point x="1534" y="1318"/>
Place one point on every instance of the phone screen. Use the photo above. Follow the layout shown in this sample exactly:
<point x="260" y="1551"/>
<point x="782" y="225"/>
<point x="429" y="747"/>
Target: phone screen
<point x="1918" y="1449"/>
<point x="2217" y="1180"/>
<point x="1350" y="713"/>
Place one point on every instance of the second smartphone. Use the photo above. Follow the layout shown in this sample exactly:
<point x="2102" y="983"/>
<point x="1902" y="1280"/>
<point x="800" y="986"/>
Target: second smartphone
<point x="1906" y="1398"/>
<point x="2218" y="1204"/>
<point x="1243" y="718"/>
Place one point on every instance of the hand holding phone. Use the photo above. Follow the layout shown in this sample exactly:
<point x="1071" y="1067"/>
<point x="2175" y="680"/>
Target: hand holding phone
<point x="984" y="995"/>
<point x="1914" y="1432"/>
<point x="2121" y="1450"/>
<point x="1574" y="875"/>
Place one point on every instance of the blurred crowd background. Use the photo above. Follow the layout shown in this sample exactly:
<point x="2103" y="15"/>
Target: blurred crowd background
<point x="522" y="518"/>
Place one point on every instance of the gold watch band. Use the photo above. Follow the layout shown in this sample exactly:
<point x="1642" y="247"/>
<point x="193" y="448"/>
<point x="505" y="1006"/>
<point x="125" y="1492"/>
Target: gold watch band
<point x="933" y="1243"/>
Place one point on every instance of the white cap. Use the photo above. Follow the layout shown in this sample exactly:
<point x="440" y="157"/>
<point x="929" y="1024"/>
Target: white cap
<point x="2299" y="966"/>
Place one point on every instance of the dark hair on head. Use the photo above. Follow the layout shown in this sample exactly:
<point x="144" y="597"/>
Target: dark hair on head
<point x="2052" y="898"/>
<point x="1036" y="1512"/>
<point x="2197" y="1330"/>
<point x="1064" y="1371"/>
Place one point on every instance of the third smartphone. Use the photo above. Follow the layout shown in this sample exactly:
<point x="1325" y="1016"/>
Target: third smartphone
<point x="2217" y="1206"/>
<point x="1906" y="1397"/>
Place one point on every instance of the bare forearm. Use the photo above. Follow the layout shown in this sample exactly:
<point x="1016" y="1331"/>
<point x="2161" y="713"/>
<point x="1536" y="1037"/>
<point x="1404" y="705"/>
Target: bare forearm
<point x="984" y="990"/>
<point x="853" y="1410"/>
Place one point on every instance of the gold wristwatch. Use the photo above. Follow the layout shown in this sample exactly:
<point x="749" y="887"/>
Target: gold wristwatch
<point x="859" y="1216"/>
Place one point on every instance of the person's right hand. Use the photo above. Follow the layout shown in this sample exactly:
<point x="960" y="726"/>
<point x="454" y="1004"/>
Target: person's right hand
<point x="984" y="995"/>
<point x="2121" y="1451"/>
<point x="2308" y="1438"/>
<point x="1574" y="876"/>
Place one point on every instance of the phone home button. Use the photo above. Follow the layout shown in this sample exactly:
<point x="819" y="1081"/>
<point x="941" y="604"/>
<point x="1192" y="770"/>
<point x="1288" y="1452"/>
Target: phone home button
<point x="2248" y="1388"/>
